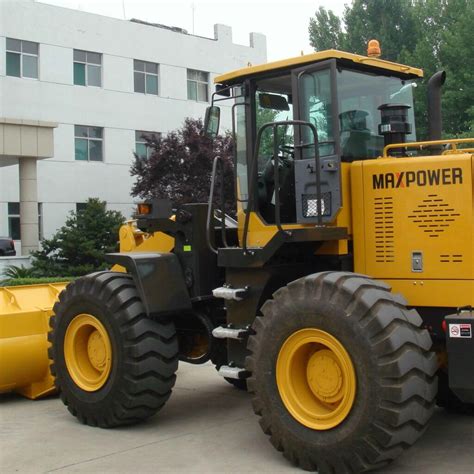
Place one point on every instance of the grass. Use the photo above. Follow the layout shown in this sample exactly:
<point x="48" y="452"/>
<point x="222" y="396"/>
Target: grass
<point x="34" y="281"/>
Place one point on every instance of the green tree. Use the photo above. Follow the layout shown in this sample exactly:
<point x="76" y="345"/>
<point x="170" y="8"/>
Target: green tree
<point x="325" y="30"/>
<point x="79" y="247"/>
<point x="430" y="34"/>
<point x="391" y="22"/>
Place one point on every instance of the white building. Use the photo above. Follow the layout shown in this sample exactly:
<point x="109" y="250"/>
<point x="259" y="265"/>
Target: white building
<point x="101" y="80"/>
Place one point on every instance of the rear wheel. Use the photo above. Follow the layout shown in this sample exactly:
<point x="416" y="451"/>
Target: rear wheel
<point x="341" y="373"/>
<point x="113" y="365"/>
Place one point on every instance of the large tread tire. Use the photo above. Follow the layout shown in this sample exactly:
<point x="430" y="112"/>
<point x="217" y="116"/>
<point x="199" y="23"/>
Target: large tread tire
<point x="145" y="352"/>
<point x="395" y="370"/>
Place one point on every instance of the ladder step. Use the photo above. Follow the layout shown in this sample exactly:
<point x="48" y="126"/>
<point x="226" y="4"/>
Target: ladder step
<point x="222" y="332"/>
<point x="233" y="372"/>
<point x="227" y="293"/>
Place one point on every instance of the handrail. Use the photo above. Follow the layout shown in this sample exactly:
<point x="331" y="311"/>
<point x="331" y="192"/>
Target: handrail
<point x="210" y="205"/>
<point x="421" y="145"/>
<point x="276" y="175"/>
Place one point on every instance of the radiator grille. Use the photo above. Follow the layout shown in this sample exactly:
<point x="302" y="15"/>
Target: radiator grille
<point x="433" y="215"/>
<point x="384" y="230"/>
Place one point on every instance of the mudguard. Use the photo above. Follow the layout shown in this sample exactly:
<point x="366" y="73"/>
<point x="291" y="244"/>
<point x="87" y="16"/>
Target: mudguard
<point x="159" y="280"/>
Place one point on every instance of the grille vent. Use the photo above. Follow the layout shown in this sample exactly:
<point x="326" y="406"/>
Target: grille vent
<point x="310" y="204"/>
<point x="384" y="230"/>
<point x="451" y="258"/>
<point x="433" y="215"/>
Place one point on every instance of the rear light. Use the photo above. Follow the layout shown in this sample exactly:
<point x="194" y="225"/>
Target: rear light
<point x="144" y="209"/>
<point x="444" y="325"/>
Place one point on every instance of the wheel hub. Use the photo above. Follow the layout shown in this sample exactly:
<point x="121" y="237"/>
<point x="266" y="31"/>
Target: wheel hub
<point x="88" y="352"/>
<point x="325" y="377"/>
<point x="316" y="379"/>
<point x="96" y="351"/>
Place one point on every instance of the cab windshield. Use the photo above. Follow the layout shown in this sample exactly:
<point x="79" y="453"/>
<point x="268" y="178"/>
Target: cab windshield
<point x="359" y="96"/>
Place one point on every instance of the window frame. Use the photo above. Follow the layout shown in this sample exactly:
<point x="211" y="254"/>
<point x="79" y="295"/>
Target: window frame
<point x="22" y="54"/>
<point x="86" y="63"/>
<point x="141" y="141"/>
<point x="197" y="82"/>
<point x="10" y="217"/>
<point x="145" y="74"/>
<point x="40" y="221"/>
<point x="88" y="139"/>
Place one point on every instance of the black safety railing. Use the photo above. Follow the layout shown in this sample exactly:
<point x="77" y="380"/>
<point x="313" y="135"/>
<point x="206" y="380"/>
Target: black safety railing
<point x="276" y="176"/>
<point x="217" y="166"/>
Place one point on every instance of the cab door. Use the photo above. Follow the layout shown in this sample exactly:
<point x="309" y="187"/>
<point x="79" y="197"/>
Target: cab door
<point x="315" y="101"/>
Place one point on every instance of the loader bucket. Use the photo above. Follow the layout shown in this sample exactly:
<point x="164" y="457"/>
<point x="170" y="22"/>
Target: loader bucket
<point x="24" y="324"/>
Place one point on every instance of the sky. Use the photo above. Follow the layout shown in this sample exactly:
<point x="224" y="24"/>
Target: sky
<point x="285" y="23"/>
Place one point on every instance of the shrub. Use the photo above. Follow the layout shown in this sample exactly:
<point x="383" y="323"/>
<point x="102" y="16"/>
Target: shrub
<point x="79" y="247"/>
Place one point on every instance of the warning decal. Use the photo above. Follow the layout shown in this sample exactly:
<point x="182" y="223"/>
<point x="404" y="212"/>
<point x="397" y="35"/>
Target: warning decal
<point x="460" y="330"/>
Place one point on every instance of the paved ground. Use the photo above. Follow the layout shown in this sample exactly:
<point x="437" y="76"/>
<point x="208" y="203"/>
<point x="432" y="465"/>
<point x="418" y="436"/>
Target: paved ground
<point x="206" y="427"/>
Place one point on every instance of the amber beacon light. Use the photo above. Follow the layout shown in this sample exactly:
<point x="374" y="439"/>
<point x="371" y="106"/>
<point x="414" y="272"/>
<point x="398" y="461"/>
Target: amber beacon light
<point x="373" y="49"/>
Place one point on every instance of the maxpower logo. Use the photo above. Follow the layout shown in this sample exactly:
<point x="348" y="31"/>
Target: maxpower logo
<point x="407" y="179"/>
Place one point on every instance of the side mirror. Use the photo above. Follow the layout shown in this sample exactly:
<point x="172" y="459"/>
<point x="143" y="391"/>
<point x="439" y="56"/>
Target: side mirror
<point x="211" y="121"/>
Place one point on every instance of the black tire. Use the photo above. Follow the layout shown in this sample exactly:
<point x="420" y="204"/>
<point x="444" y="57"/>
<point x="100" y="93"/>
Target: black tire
<point x="396" y="382"/>
<point x="219" y="358"/>
<point x="448" y="400"/>
<point x="144" y="352"/>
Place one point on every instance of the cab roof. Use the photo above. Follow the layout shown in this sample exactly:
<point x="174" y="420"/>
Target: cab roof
<point x="240" y="74"/>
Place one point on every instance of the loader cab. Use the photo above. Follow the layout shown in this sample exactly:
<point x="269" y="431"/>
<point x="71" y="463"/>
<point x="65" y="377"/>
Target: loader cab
<point x="299" y="121"/>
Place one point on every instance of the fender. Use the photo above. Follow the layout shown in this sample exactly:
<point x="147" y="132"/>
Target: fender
<point x="159" y="280"/>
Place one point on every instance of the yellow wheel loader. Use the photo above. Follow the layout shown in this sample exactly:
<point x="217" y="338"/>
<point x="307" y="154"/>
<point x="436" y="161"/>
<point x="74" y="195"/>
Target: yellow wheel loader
<point x="338" y="297"/>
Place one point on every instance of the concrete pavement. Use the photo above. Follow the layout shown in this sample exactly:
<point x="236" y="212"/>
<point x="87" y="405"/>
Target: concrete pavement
<point x="207" y="427"/>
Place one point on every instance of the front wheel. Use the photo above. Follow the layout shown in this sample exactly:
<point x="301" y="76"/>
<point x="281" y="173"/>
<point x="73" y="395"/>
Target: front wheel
<point x="113" y="365"/>
<point x="341" y="373"/>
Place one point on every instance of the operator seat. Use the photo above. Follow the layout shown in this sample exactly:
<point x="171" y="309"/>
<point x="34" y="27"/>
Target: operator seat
<point x="355" y="134"/>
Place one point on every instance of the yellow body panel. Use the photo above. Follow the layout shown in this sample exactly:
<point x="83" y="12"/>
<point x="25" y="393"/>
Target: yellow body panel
<point x="404" y="206"/>
<point x="314" y="57"/>
<point x="435" y="293"/>
<point x="133" y="240"/>
<point x="259" y="233"/>
<point x="24" y="325"/>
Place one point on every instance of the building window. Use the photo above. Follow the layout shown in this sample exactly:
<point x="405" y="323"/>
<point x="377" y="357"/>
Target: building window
<point x="141" y="147"/>
<point x="22" y="58"/>
<point x="88" y="143"/>
<point x="40" y="221"/>
<point x="14" y="229"/>
<point x="145" y="76"/>
<point x="198" y="85"/>
<point x="80" y="206"/>
<point x="14" y="220"/>
<point x="87" y="68"/>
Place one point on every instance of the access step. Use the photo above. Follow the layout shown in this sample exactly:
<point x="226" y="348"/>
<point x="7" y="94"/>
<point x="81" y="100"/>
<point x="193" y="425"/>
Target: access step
<point x="228" y="293"/>
<point x="225" y="332"/>
<point x="233" y="372"/>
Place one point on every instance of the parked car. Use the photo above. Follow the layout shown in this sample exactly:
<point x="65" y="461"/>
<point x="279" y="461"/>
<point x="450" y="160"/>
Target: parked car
<point x="7" y="247"/>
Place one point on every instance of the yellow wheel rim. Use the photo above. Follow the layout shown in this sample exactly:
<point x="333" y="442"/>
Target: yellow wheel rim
<point x="316" y="379"/>
<point x="88" y="352"/>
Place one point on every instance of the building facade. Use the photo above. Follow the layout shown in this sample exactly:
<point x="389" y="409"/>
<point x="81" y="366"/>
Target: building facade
<point x="103" y="82"/>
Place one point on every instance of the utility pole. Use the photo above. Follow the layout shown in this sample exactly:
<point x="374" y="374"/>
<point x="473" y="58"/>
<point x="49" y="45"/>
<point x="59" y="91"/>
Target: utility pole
<point x="193" y="8"/>
<point x="123" y="9"/>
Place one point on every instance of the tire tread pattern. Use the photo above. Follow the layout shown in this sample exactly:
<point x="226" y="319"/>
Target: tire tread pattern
<point x="406" y="368"/>
<point x="150" y="352"/>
